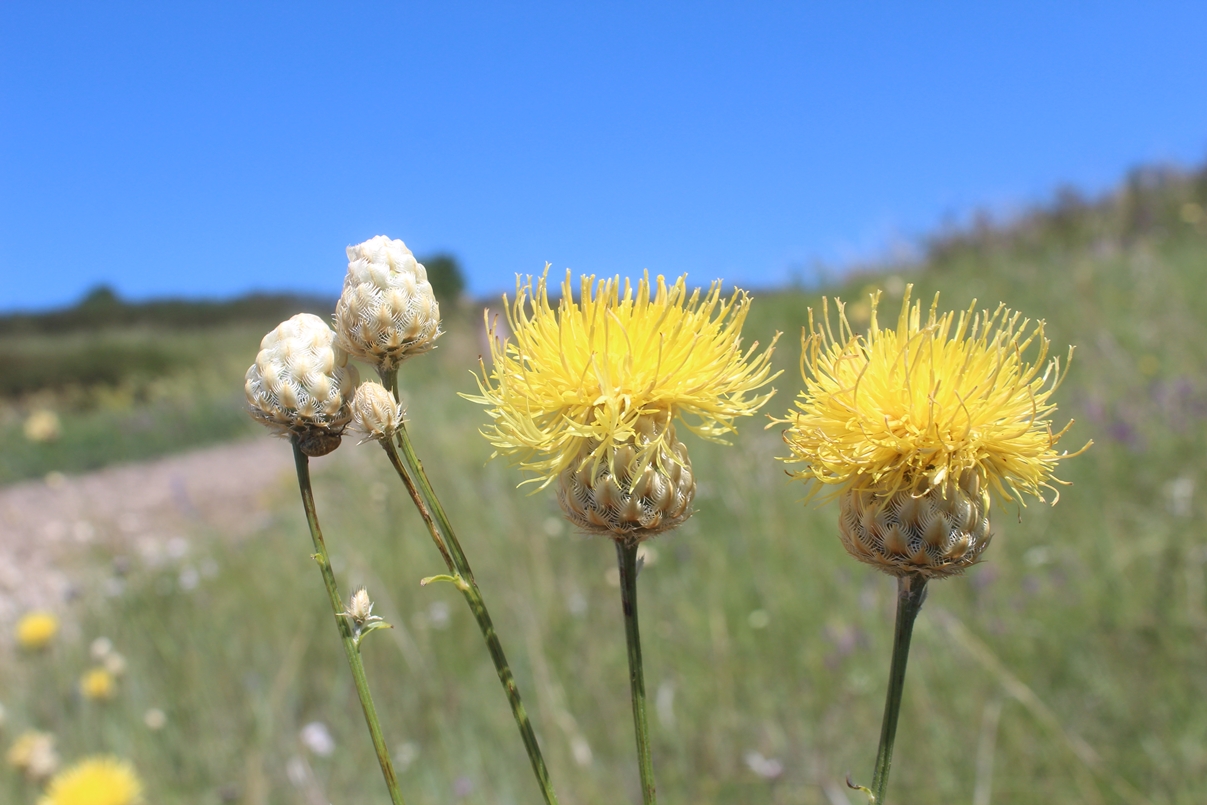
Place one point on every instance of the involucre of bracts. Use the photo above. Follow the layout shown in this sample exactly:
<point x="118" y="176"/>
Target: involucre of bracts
<point x="629" y="492"/>
<point x="301" y="385"/>
<point x="387" y="311"/>
<point x="931" y="531"/>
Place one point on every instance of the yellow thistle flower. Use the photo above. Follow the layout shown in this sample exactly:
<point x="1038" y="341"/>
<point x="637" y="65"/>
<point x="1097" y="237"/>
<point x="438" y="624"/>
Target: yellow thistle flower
<point x="583" y="375"/>
<point x="35" y="630"/>
<point x="95" y="781"/>
<point x="589" y="393"/>
<point x="931" y="400"/>
<point x="912" y="426"/>
<point x="98" y="684"/>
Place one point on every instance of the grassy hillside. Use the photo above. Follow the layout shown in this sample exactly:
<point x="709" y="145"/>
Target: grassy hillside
<point x="1068" y="667"/>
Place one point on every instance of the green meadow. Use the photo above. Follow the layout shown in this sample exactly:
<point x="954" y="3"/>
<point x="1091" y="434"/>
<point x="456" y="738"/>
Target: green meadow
<point x="1069" y="666"/>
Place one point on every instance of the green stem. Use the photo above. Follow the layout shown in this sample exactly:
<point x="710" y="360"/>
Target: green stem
<point x="410" y="470"/>
<point x="626" y="558"/>
<point x="302" y="463"/>
<point x="911" y="592"/>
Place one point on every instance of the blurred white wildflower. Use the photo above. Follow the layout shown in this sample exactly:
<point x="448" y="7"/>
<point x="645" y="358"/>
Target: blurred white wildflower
<point x="100" y="648"/>
<point x="317" y="738"/>
<point x="155" y="719"/>
<point x="767" y="768"/>
<point x="115" y="663"/>
<point x="1179" y="495"/>
<point x="406" y="754"/>
<point x="33" y="754"/>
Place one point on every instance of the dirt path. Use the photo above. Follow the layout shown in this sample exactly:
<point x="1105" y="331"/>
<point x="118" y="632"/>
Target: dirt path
<point x="47" y="526"/>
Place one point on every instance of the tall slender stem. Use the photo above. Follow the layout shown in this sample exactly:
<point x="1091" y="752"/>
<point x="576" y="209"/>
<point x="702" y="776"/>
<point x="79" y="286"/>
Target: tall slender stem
<point x="911" y="592"/>
<point x="302" y="463"/>
<point x="410" y="470"/>
<point x="626" y="558"/>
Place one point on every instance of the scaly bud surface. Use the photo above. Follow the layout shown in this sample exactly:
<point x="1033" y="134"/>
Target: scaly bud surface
<point x="301" y="384"/>
<point x="932" y="531"/>
<point x="387" y="311"/>
<point x="633" y="490"/>
<point x="375" y="412"/>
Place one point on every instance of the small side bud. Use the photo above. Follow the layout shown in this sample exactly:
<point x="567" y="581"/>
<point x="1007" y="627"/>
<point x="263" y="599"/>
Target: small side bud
<point x="360" y="613"/>
<point x="360" y="607"/>
<point x="375" y="412"/>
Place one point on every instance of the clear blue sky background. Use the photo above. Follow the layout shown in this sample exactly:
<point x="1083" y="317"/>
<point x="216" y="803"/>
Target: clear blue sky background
<point x="206" y="149"/>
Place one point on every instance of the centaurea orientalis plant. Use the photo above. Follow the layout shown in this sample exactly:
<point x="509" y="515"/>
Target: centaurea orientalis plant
<point x="386" y="315"/>
<point x="301" y="386"/>
<point x="910" y="428"/>
<point x="588" y="395"/>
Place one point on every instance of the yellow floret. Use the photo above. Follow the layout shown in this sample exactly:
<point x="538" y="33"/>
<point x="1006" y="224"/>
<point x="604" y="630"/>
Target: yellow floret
<point x="36" y="629"/>
<point x="925" y="402"/>
<point x="584" y="374"/>
<point x="95" y="781"/>
<point x="98" y="684"/>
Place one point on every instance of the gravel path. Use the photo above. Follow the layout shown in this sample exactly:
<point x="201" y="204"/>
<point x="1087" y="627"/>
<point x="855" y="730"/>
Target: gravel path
<point x="49" y="526"/>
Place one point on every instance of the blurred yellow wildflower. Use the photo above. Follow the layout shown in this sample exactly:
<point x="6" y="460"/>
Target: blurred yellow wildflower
<point x="573" y="383"/>
<point x="98" y="684"/>
<point x="43" y="426"/>
<point x="33" y="754"/>
<point x="95" y="781"/>
<point x="36" y="629"/>
<point x="917" y="407"/>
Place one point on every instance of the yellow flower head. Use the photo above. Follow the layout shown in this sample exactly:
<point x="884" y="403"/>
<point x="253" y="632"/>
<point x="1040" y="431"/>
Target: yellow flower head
<point x="36" y="629"/>
<point x="98" y="683"/>
<point x="95" y="781"/>
<point x="574" y="382"/>
<point x="917" y="407"/>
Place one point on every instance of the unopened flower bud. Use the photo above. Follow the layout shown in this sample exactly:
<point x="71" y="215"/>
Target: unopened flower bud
<point x="375" y="412"/>
<point x="360" y="607"/>
<point x="301" y="384"/>
<point x="931" y="531"/>
<point x="387" y="311"/>
<point x="638" y="489"/>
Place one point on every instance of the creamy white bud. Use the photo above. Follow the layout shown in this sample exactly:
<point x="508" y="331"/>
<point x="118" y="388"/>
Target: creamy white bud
<point x="360" y="608"/>
<point x="375" y="412"/>
<point x="387" y="312"/>
<point x="301" y="384"/>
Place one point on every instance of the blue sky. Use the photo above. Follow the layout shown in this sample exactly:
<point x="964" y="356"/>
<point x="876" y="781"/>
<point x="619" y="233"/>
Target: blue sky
<point x="207" y="149"/>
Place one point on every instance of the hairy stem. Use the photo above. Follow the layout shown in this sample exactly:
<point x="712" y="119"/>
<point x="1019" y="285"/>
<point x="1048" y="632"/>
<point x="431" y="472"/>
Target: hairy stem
<point x="302" y="463"/>
<point x="626" y="557"/>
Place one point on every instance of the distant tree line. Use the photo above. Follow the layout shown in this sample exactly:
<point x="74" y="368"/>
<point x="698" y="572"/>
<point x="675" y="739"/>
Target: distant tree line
<point x="102" y="308"/>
